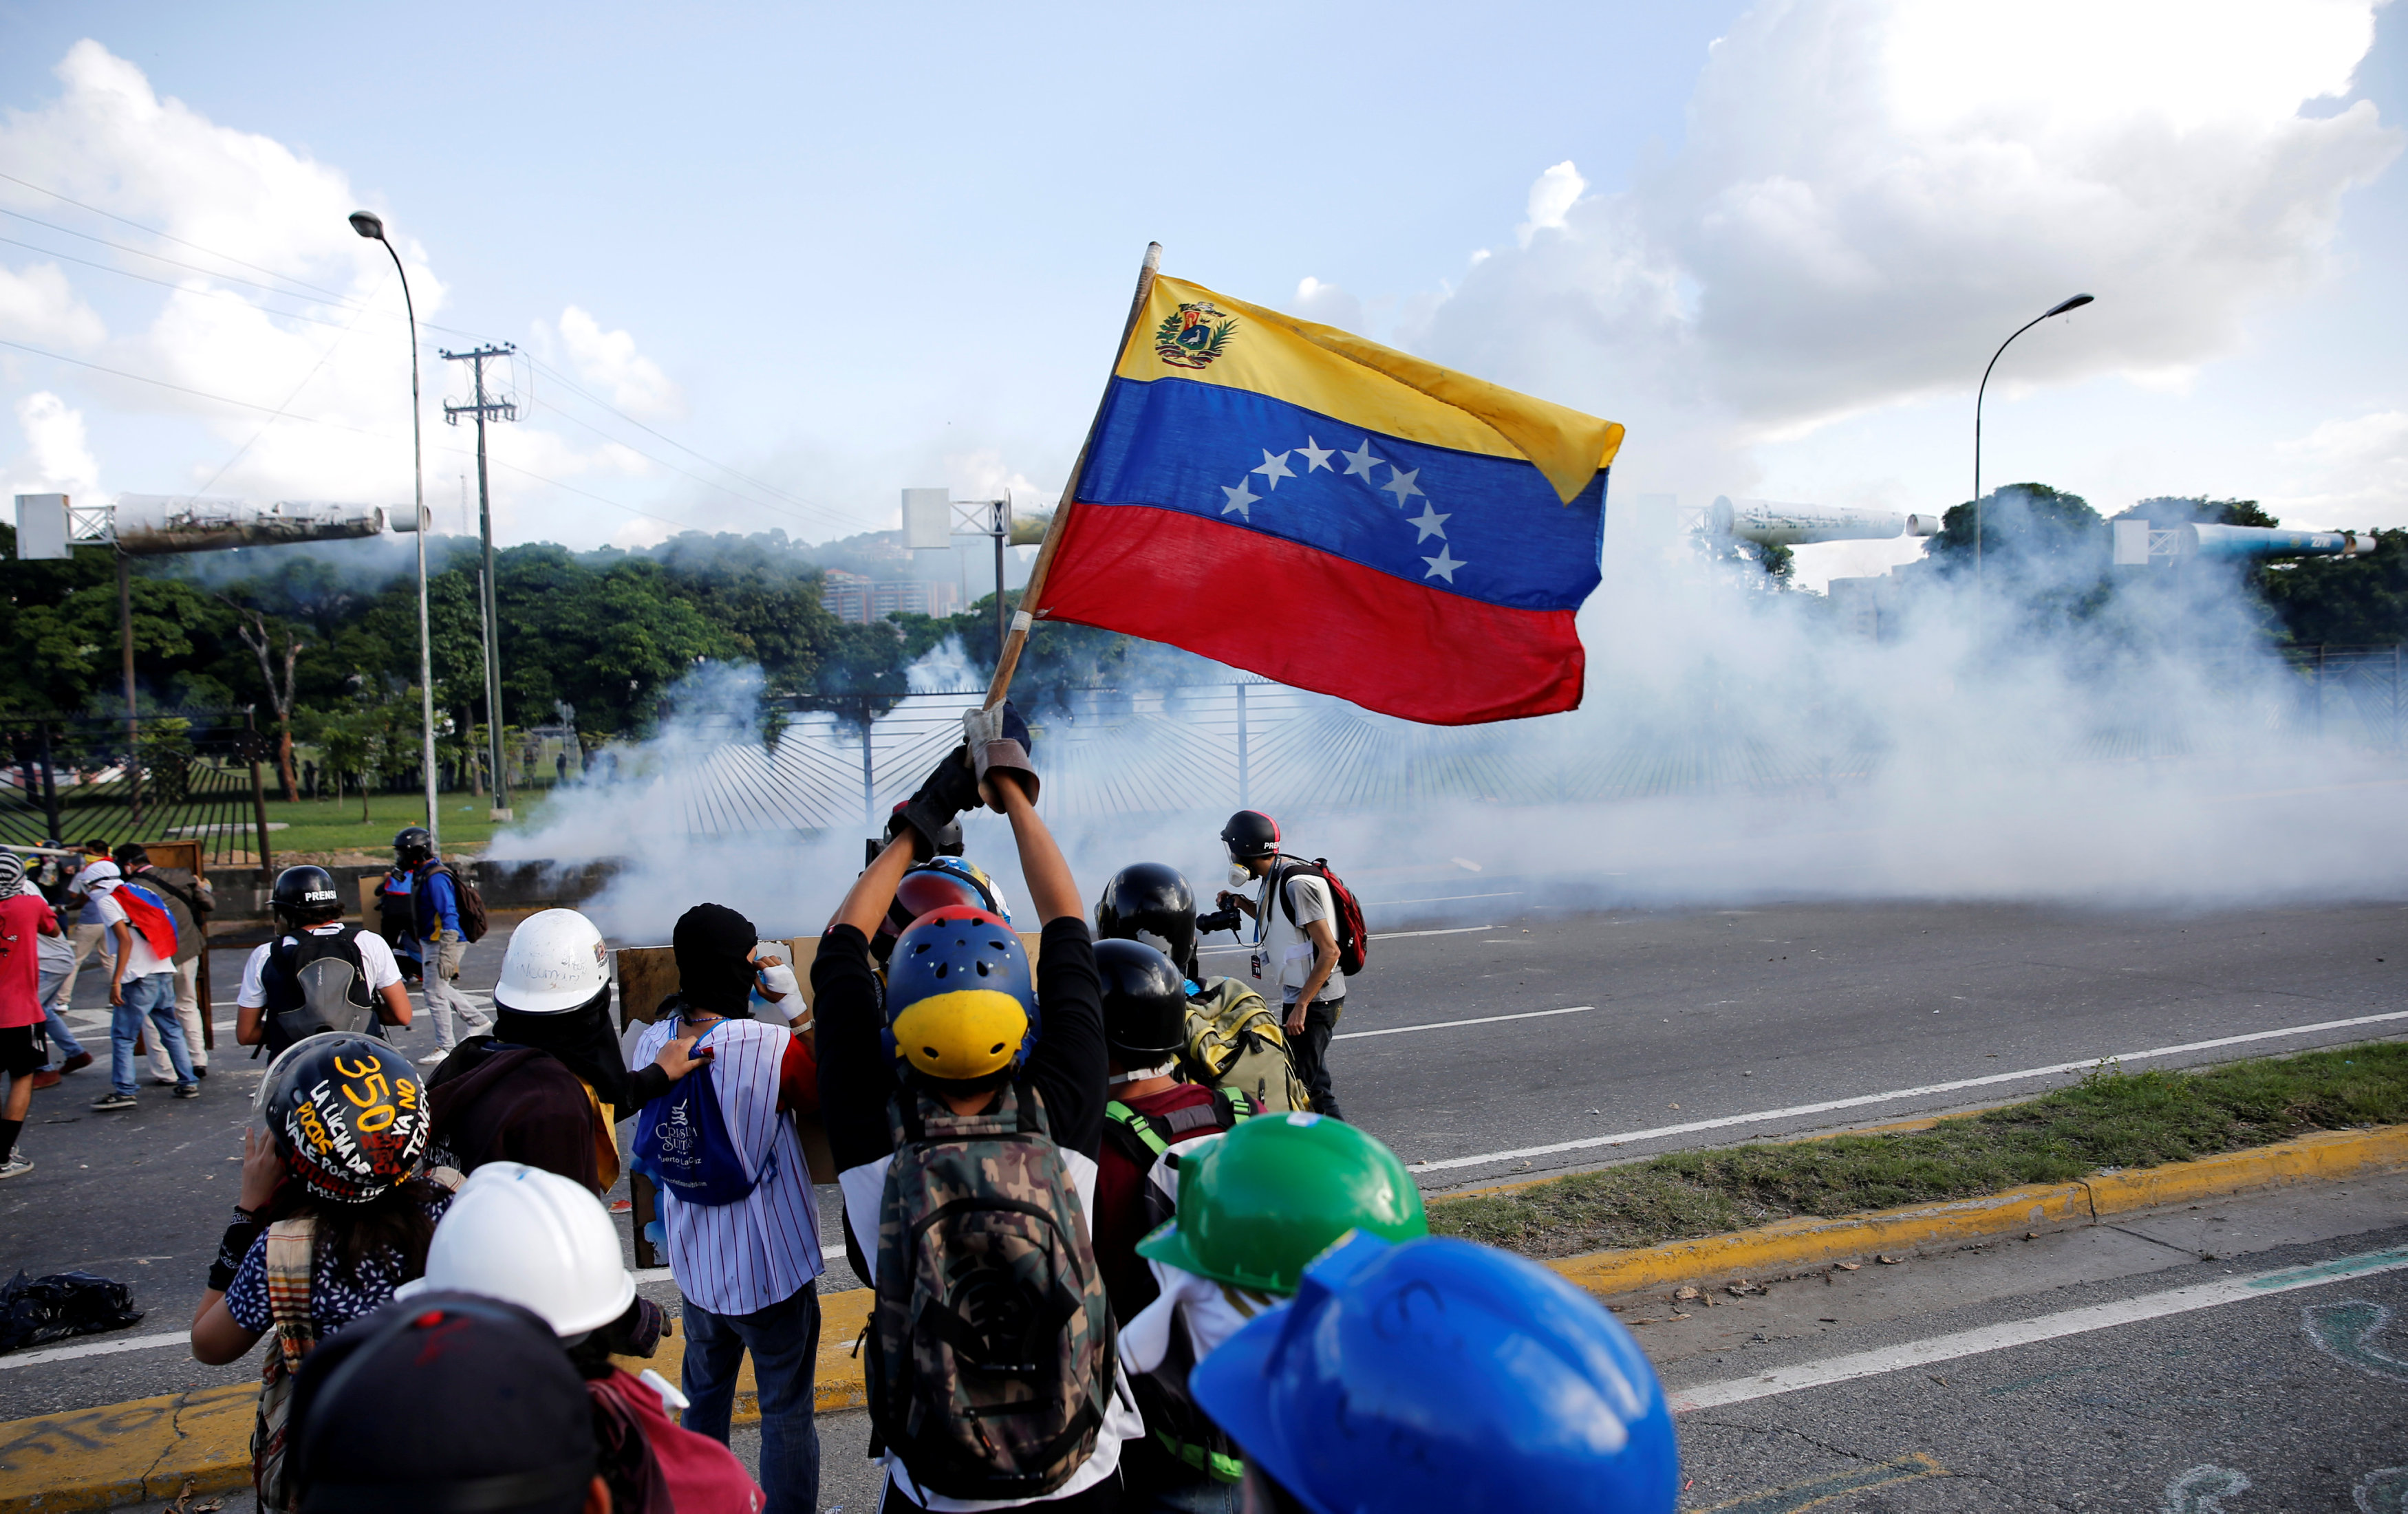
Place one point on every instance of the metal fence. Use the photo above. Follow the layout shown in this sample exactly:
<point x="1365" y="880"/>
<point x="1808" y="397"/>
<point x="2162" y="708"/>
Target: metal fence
<point x="1127" y="752"/>
<point x="163" y="775"/>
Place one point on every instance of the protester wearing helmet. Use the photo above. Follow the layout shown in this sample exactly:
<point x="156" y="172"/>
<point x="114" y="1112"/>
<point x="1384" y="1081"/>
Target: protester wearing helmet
<point x="932" y="885"/>
<point x="319" y="974"/>
<point x="334" y="1184"/>
<point x="540" y="1241"/>
<point x="1437" y="1374"/>
<point x="1295" y="942"/>
<point x="1151" y="902"/>
<point x="1153" y="1110"/>
<point x="442" y="944"/>
<point x="736" y="1209"/>
<point x="549" y="1085"/>
<point x="1254" y="1206"/>
<point x="951" y="1044"/>
<point x="496" y="1419"/>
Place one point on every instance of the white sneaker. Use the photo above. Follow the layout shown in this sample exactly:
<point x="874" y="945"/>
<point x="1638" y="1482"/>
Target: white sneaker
<point x="435" y="1056"/>
<point x="16" y="1167"/>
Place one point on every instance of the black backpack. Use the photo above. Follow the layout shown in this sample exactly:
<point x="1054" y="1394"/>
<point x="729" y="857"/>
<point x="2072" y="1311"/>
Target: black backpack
<point x="396" y="914"/>
<point x="314" y="983"/>
<point x="1354" y="940"/>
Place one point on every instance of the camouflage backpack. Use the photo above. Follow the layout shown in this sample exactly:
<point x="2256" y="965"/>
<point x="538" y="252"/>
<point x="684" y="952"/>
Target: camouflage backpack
<point x="1235" y="1044"/>
<point x="993" y="1351"/>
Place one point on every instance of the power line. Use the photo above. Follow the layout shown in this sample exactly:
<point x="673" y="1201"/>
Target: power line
<point x="156" y="232"/>
<point x="165" y="283"/>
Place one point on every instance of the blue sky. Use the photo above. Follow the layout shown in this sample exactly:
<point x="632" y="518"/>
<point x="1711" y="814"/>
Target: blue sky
<point x="837" y="253"/>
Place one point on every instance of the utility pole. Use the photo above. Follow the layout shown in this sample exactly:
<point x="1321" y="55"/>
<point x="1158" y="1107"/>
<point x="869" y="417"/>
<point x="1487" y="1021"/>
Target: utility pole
<point x="504" y="410"/>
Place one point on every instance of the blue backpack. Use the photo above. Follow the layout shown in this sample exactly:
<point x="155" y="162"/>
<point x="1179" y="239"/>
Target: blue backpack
<point x="683" y="1145"/>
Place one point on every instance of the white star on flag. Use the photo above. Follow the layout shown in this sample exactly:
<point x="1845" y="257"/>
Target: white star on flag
<point x="1240" y="499"/>
<point x="1400" y="483"/>
<point x="1362" y="462"/>
<point x="1273" y="469"/>
<point x="1316" y="455"/>
<point x="1430" y="524"/>
<point x="1443" y="566"/>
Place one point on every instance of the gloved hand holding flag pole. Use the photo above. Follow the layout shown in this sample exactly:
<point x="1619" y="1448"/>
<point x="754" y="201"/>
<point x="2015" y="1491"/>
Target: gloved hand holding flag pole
<point x="1402" y="535"/>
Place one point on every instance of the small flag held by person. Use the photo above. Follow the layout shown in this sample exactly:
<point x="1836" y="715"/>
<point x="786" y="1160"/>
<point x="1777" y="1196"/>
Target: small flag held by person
<point x="1338" y="516"/>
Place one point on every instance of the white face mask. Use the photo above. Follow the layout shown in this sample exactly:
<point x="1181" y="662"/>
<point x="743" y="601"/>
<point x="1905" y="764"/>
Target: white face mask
<point x="1238" y="875"/>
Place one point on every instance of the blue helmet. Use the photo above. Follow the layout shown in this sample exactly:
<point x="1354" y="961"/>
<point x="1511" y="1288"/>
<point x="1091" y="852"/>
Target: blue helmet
<point x="1435" y="1371"/>
<point x="961" y="1005"/>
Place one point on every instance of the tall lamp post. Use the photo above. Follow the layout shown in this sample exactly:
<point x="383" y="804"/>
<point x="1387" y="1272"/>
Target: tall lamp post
<point x="2059" y="308"/>
<point x="368" y="224"/>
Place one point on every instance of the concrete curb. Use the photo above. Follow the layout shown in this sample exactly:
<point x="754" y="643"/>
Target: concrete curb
<point x="153" y="1447"/>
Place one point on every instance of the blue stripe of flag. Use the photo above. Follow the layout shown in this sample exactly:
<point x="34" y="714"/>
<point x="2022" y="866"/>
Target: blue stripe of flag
<point x="1493" y="524"/>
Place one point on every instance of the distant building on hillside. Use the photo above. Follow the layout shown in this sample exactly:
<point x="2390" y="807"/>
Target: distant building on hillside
<point x="857" y="598"/>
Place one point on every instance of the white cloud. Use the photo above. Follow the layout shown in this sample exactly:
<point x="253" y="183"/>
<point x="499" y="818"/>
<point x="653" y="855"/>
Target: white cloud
<point x="333" y="355"/>
<point x="1552" y="196"/>
<point x="2353" y="473"/>
<point x="608" y="359"/>
<point x="38" y="306"/>
<point x="1326" y="304"/>
<point x="1873" y="192"/>
<point x="58" y="457"/>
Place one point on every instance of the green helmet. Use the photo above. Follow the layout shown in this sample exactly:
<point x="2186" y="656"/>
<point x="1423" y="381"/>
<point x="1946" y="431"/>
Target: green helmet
<point x="1265" y="1199"/>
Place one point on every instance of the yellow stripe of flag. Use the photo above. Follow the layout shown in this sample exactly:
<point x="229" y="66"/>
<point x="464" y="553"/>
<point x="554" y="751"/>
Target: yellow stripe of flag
<point x="1378" y="388"/>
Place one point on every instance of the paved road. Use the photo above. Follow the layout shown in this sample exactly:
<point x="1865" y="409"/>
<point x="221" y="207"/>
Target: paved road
<point x="1697" y="1015"/>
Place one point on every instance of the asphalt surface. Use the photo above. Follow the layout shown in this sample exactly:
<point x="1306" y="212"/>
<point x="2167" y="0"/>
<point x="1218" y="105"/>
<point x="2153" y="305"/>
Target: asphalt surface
<point x="1697" y="1015"/>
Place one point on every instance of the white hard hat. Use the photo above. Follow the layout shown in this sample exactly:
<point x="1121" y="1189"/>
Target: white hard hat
<point x="533" y="1239"/>
<point x="555" y="963"/>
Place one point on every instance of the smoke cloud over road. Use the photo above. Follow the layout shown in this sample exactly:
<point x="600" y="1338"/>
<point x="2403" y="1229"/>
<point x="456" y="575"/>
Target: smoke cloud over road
<point x="2058" y="735"/>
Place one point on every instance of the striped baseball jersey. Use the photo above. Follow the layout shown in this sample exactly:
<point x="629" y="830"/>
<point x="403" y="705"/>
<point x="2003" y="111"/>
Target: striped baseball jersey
<point x="765" y="1247"/>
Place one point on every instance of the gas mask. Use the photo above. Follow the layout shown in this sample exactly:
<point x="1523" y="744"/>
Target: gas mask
<point x="1238" y="875"/>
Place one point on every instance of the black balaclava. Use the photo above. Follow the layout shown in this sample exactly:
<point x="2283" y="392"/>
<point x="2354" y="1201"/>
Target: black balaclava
<point x="714" y="950"/>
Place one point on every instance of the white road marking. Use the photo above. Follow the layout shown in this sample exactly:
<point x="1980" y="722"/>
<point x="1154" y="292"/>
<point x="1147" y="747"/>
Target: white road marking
<point x="1828" y="1105"/>
<point x="1458" y="930"/>
<point x="1450" y="1024"/>
<point x="1443" y="898"/>
<point x="1965" y="1343"/>
<point x="96" y="1347"/>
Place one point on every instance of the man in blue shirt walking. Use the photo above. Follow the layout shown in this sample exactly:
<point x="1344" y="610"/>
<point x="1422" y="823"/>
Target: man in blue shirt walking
<point x="442" y="945"/>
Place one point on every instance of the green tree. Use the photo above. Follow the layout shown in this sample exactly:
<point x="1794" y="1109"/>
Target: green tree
<point x="2346" y="601"/>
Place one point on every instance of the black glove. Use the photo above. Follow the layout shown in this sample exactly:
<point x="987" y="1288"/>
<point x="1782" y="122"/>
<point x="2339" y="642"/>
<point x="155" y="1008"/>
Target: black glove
<point x="998" y="741"/>
<point x="930" y="814"/>
<point x="233" y="1247"/>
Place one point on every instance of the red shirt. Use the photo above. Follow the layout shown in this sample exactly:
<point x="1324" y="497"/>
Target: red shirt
<point x="1119" y="1221"/>
<point x="23" y="917"/>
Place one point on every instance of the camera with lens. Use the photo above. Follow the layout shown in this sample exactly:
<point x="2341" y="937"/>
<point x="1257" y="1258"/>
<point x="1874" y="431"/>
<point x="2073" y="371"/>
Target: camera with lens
<point x="1219" y="920"/>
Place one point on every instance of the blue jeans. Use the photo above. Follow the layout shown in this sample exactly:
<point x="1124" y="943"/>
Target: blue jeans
<point x="152" y="996"/>
<point x="63" y="1042"/>
<point x="784" y="1341"/>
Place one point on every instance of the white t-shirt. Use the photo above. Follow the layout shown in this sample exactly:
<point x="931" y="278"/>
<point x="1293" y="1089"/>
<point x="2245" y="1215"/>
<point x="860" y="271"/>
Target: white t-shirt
<point x="140" y="960"/>
<point x="375" y="955"/>
<point x="1283" y="953"/>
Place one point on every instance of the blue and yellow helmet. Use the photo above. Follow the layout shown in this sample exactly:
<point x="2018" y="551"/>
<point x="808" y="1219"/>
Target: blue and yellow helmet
<point x="961" y="1005"/>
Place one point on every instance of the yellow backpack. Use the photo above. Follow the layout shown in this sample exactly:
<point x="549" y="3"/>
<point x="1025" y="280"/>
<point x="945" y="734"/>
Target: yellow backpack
<point x="1235" y="1044"/>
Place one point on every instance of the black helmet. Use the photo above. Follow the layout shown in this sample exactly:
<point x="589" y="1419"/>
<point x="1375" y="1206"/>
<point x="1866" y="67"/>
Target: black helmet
<point x="413" y="844"/>
<point x="1145" y="1002"/>
<point x="1150" y="902"/>
<point x="1250" y="833"/>
<point x="348" y="1114"/>
<point x="305" y="895"/>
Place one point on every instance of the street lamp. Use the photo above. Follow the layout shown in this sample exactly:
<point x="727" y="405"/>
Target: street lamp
<point x="2076" y="303"/>
<point x="370" y="225"/>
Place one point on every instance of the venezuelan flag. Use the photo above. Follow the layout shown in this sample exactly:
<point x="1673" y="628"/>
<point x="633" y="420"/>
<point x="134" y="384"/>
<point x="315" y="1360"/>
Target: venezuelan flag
<point x="1295" y="501"/>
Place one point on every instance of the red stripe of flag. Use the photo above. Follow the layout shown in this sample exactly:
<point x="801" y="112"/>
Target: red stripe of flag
<point x="1311" y="619"/>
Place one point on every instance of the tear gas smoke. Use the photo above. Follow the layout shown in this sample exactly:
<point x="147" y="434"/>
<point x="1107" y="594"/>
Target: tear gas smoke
<point x="2056" y="735"/>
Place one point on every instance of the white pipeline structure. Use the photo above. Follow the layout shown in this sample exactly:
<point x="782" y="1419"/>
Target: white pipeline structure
<point x="2137" y="543"/>
<point x="151" y="525"/>
<point x="1772" y="524"/>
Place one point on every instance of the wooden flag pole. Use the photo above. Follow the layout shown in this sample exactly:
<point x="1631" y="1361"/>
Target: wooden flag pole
<point x="1008" y="658"/>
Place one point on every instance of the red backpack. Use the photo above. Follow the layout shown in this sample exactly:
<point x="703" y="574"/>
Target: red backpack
<point x="1353" y="941"/>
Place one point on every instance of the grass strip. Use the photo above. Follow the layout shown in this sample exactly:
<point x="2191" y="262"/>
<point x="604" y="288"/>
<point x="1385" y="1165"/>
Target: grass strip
<point x="2110" y="1119"/>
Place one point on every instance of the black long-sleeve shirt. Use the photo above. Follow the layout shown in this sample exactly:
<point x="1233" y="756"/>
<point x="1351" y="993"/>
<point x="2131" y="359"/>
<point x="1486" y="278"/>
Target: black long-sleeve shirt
<point x="857" y="1076"/>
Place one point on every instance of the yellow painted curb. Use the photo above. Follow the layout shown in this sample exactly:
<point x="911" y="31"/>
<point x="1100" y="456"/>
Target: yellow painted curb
<point x="150" y="1448"/>
<point x="1803" y="1241"/>
<point x="2323" y="1157"/>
